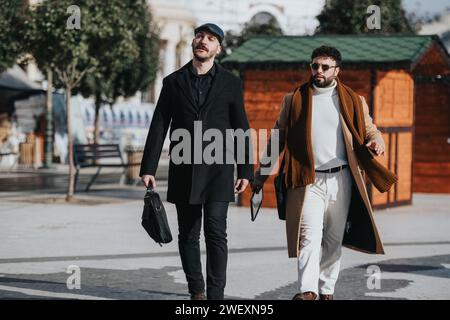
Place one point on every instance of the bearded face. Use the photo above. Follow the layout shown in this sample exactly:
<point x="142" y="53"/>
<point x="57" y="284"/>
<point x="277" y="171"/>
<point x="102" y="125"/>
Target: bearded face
<point x="324" y="70"/>
<point x="205" y="46"/>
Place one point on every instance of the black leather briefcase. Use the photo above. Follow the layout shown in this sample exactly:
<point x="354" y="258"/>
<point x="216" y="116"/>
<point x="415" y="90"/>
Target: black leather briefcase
<point x="154" y="218"/>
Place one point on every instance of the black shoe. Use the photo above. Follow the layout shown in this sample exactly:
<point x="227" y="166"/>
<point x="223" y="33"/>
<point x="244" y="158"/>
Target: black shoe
<point x="308" y="295"/>
<point x="198" y="296"/>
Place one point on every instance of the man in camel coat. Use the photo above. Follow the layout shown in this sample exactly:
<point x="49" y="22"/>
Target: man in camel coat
<point x="328" y="141"/>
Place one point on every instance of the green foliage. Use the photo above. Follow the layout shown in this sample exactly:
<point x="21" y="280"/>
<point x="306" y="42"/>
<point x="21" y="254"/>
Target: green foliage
<point x="128" y="54"/>
<point x="11" y="31"/>
<point x="233" y="39"/>
<point x="63" y="50"/>
<point x="114" y="53"/>
<point x="349" y="17"/>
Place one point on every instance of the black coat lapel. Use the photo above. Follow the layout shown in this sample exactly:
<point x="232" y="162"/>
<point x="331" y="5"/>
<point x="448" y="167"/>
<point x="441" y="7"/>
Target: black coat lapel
<point x="183" y="81"/>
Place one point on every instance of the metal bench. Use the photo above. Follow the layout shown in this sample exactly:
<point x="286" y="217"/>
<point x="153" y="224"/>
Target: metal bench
<point x="9" y="153"/>
<point x="91" y="155"/>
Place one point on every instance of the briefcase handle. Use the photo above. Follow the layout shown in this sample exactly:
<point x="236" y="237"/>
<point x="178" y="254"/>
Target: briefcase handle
<point x="149" y="191"/>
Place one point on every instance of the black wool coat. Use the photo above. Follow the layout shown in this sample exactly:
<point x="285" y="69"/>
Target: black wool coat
<point x="223" y="109"/>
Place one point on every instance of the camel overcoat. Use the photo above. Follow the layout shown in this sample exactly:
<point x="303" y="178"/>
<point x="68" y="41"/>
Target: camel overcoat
<point x="361" y="233"/>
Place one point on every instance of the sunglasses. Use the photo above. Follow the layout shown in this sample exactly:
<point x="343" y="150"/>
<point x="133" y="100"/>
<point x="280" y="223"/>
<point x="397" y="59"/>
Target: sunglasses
<point x="325" y="67"/>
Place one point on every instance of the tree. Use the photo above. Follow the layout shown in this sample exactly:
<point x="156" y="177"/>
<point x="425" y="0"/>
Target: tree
<point x="11" y="26"/>
<point x="123" y="73"/>
<point x="350" y="17"/>
<point x="233" y="39"/>
<point x="58" y="43"/>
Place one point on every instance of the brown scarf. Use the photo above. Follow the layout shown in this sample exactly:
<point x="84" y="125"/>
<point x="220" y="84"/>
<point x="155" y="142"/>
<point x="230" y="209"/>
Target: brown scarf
<point x="299" y="159"/>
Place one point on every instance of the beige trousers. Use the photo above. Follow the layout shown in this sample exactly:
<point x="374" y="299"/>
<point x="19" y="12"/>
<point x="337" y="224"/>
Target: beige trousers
<point x="324" y="217"/>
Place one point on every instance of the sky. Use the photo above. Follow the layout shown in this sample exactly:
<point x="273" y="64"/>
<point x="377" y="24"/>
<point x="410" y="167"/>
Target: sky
<point x="422" y="7"/>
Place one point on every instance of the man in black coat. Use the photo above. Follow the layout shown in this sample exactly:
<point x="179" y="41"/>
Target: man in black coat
<point x="198" y="97"/>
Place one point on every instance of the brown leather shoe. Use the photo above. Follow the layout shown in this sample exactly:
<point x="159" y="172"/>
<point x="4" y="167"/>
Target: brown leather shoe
<point x="198" y="296"/>
<point x="308" y="295"/>
<point x="326" y="297"/>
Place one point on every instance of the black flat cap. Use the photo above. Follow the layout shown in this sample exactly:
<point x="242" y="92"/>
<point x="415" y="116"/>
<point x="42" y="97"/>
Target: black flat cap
<point x="212" y="28"/>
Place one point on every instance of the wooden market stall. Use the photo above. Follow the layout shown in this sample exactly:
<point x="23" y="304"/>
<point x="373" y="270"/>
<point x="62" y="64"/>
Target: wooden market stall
<point x="404" y="79"/>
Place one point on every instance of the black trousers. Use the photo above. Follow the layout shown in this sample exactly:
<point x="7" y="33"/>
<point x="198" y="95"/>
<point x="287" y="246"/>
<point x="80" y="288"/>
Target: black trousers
<point x="215" y="225"/>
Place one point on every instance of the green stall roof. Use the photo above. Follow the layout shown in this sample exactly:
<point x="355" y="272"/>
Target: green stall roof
<point x="357" y="50"/>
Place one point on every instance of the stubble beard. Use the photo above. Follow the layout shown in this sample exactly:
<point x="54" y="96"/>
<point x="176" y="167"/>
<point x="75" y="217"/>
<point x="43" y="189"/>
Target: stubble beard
<point x="325" y="83"/>
<point x="202" y="59"/>
<point x="210" y="55"/>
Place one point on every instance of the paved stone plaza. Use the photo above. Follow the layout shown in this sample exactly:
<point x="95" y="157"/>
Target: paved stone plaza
<point x="41" y="237"/>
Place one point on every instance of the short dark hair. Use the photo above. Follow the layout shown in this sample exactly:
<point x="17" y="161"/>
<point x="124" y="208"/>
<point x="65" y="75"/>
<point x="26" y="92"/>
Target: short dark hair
<point x="326" y="51"/>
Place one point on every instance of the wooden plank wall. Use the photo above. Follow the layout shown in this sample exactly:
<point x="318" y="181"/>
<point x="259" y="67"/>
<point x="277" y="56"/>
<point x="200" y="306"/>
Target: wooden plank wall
<point x="432" y="126"/>
<point x="394" y="115"/>
<point x="432" y="148"/>
<point x="263" y="94"/>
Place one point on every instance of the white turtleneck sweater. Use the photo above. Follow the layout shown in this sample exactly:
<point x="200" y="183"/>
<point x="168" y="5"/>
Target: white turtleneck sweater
<point x="327" y="139"/>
